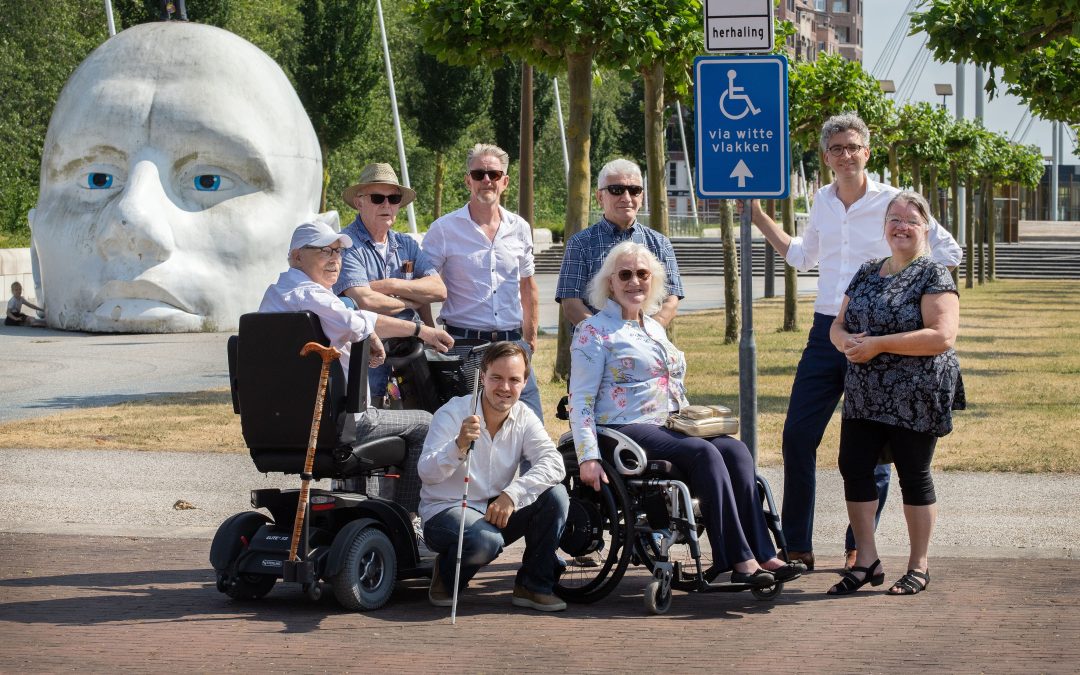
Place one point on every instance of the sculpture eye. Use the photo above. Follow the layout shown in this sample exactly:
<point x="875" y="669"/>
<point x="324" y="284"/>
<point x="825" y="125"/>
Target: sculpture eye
<point x="208" y="182"/>
<point x="96" y="180"/>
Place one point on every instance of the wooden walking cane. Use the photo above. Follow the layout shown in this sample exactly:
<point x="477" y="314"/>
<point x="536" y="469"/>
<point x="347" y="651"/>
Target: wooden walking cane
<point x="327" y="354"/>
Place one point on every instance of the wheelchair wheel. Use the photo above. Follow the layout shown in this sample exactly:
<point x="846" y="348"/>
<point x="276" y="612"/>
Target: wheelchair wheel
<point x="596" y="542"/>
<point x="657" y="596"/>
<point x="768" y="592"/>
<point x="369" y="572"/>
<point x="647" y="549"/>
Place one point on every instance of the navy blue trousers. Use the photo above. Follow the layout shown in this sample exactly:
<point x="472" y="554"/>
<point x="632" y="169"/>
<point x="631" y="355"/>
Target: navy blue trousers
<point x="722" y="477"/>
<point x="819" y="383"/>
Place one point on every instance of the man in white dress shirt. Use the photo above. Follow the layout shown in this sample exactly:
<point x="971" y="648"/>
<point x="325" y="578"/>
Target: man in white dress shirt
<point x="314" y="265"/>
<point x="846" y="229"/>
<point x="503" y="506"/>
<point x="485" y="256"/>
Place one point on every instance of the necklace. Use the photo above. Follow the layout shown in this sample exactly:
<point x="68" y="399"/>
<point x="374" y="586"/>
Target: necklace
<point x="891" y="263"/>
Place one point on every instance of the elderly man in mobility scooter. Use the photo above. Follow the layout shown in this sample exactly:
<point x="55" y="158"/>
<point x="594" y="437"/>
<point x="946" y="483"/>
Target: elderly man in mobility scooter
<point x="360" y="544"/>
<point x="502" y="507"/>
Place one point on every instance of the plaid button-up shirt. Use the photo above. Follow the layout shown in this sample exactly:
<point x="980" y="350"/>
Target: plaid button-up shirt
<point x="586" y="250"/>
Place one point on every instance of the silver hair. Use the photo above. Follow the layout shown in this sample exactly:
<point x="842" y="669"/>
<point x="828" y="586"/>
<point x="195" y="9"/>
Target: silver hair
<point x="487" y="150"/>
<point x="617" y="167"/>
<point x="838" y="124"/>
<point x="921" y="205"/>
<point x="599" y="290"/>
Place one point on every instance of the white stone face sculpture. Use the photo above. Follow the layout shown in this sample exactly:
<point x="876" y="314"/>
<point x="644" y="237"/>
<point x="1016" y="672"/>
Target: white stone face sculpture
<point x="177" y="163"/>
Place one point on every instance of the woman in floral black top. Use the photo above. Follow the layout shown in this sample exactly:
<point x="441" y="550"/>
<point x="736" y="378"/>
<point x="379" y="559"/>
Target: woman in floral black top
<point x="897" y="326"/>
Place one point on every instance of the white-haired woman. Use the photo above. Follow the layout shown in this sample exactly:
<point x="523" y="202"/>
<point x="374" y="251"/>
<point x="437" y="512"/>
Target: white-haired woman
<point x="626" y="374"/>
<point x="897" y="325"/>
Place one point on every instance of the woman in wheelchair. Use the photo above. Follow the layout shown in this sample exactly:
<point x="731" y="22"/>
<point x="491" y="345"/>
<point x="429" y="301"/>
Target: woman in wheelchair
<point x="626" y="374"/>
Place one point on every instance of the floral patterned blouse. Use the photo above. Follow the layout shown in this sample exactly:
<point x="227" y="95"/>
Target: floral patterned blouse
<point x="621" y="373"/>
<point x="913" y="392"/>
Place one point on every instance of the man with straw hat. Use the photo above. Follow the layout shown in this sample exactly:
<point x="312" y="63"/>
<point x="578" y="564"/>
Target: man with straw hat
<point x="385" y="271"/>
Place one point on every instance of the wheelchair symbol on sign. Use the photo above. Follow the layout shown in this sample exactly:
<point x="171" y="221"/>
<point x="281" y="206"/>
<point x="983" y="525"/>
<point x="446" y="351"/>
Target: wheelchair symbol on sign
<point x="734" y="93"/>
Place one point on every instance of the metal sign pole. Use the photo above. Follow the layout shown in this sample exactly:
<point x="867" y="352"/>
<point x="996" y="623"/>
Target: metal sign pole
<point x="747" y="347"/>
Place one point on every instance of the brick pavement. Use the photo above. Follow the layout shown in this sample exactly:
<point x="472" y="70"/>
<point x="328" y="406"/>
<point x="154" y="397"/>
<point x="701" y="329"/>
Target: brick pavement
<point x="106" y="604"/>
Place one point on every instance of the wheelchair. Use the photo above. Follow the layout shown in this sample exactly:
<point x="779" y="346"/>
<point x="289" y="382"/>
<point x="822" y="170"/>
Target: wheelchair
<point x="359" y="545"/>
<point x="646" y="516"/>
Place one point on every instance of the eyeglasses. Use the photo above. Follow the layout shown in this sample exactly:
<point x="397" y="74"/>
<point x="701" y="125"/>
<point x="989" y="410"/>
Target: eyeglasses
<point x="492" y="174"/>
<point x="617" y="190"/>
<point x="377" y="198"/>
<point x="839" y="150"/>
<point x="326" y="252"/>
<point x="642" y="274"/>
<point x="893" y="221"/>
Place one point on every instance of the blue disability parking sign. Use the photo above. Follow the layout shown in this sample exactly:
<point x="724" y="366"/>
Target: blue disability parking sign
<point x="741" y="112"/>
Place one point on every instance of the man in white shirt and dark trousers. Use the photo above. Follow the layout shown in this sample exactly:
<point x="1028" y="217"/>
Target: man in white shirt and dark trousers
<point x="485" y="256"/>
<point x="502" y="506"/>
<point x="846" y="229"/>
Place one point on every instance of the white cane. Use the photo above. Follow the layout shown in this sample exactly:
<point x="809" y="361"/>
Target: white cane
<point x="464" y="505"/>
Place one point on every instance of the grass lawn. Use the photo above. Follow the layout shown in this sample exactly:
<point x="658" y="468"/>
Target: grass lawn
<point x="1018" y="353"/>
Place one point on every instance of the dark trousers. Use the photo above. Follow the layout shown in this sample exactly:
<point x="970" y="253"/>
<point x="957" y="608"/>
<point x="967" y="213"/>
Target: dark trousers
<point x="541" y="523"/>
<point x="819" y="383"/>
<point x="722" y="477"/>
<point x="861" y="442"/>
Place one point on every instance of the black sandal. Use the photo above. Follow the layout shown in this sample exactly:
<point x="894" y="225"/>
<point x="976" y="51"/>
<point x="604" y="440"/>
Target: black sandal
<point x="850" y="583"/>
<point x="911" y="583"/>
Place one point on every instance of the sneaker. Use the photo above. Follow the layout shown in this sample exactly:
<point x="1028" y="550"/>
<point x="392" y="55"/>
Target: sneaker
<point x="543" y="602"/>
<point x="437" y="593"/>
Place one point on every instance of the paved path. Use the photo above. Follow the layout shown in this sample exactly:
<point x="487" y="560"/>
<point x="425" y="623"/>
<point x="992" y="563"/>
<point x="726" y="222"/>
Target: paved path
<point x="149" y="605"/>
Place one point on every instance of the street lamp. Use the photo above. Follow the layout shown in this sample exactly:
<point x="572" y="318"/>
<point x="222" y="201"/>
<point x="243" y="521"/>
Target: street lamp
<point x="887" y="86"/>
<point x="943" y="90"/>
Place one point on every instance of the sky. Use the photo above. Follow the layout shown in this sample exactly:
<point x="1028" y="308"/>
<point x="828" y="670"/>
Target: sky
<point x="1002" y="114"/>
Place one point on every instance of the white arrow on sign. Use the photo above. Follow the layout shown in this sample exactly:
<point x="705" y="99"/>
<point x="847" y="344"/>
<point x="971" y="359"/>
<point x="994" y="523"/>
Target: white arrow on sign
<point x="742" y="172"/>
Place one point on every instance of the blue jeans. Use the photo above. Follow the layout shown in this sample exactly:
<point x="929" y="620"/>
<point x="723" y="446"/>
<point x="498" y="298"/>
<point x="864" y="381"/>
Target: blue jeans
<point x="818" y="385"/>
<point x="541" y="523"/>
<point x="530" y="395"/>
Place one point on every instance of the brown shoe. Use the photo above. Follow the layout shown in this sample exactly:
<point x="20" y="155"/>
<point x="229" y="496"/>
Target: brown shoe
<point x="849" y="559"/>
<point x="543" y="602"/>
<point x="437" y="593"/>
<point x="805" y="557"/>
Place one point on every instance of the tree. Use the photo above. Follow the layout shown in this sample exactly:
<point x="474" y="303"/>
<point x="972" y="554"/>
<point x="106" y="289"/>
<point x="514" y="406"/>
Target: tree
<point x="442" y="113"/>
<point x="1036" y="44"/>
<point x="338" y="65"/>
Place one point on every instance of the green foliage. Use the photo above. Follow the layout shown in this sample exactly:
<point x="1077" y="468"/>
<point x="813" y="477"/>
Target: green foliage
<point x="441" y="113"/>
<point x="962" y="143"/>
<point x="828" y="86"/>
<point x="923" y="127"/>
<point x="1035" y="43"/>
<point x="506" y="105"/>
<point x="338" y="66"/>
<point x="1025" y="164"/>
<point x="40" y="46"/>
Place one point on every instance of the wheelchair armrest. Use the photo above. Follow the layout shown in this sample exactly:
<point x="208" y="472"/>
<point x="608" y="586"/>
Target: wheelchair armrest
<point x="356" y="396"/>
<point x="231" y="347"/>
<point x="399" y="361"/>
<point x="371" y="455"/>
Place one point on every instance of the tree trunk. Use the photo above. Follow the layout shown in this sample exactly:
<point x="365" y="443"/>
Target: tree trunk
<point x="731" y="274"/>
<point x="932" y="197"/>
<point x="791" y="279"/>
<point x="916" y="174"/>
<point x="655" y="153"/>
<point x="990" y="228"/>
<point x="440" y="176"/>
<point x="579" y="124"/>
<point x="980" y="235"/>
<point x="954" y="213"/>
<point x="324" y="151"/>
<point x="525" y="145"/>
<point x="894" y="166"/>
<point x="969" y="230"/>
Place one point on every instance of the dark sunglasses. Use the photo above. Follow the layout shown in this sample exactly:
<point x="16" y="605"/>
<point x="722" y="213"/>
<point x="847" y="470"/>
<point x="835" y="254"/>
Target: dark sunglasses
<point x="492" y="174"/>
<point x="377" y="198"/>
<point x="642" y="274"/>
<point x="617" y="190"/>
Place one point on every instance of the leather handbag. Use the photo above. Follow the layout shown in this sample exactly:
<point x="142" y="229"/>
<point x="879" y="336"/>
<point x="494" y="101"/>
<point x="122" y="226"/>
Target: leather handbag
<point x="704" y="421"/>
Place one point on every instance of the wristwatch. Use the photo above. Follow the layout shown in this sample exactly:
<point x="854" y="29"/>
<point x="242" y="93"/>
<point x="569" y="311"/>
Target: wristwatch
<point x="419" y="325"/>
